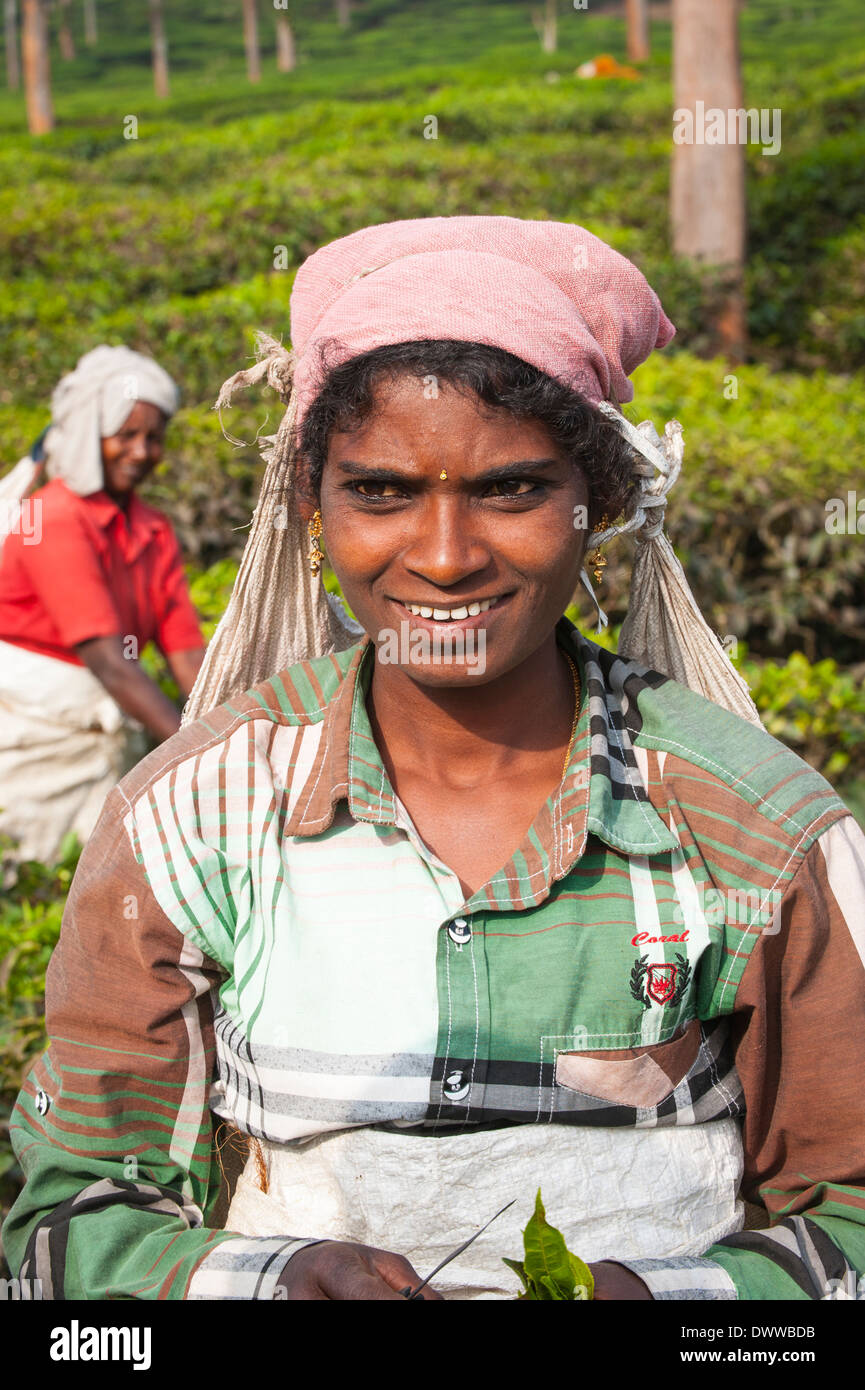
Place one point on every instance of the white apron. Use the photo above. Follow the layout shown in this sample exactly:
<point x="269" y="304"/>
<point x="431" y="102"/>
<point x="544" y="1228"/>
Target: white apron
<point x="615" y="1193"/>
<point x="64" y="743"/>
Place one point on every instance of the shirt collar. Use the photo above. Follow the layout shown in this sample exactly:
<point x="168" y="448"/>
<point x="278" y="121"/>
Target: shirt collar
<point x="602" y="791"/>
<point x="138" y="520"/>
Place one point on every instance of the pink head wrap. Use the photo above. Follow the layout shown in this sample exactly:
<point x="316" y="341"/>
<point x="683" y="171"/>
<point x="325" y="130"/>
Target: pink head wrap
<point x="548" y="292"/>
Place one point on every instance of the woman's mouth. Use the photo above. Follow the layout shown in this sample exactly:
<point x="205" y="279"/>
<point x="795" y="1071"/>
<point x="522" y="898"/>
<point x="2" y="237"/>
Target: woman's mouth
<point x="468" y="614"/>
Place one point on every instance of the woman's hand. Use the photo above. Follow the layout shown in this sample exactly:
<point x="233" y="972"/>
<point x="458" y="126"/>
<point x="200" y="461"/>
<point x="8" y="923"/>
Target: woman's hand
<point x="341" y="1271"/>
<point x="613" y="1281"/>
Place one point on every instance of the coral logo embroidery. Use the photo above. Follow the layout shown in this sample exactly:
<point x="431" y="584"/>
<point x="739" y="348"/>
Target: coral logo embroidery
<point x="660" y="984"/>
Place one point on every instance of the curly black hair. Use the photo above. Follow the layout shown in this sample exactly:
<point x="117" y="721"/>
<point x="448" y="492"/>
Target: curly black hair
<point x="499" y="379"/>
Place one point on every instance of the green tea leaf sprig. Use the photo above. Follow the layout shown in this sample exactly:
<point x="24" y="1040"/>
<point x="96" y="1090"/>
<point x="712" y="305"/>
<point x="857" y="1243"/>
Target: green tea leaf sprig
<point x="550" y="1273"/>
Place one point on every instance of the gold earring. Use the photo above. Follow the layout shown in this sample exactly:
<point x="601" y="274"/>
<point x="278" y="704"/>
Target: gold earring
<point x="443" y="475"/>
<point x="597" y="559"/>
<point x="316" y="554"/>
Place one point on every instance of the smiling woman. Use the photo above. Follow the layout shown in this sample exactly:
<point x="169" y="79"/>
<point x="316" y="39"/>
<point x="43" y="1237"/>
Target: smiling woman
<point x="428" y="936"/>
<point x="81" y="594"/>
<point x="489" y="549"/>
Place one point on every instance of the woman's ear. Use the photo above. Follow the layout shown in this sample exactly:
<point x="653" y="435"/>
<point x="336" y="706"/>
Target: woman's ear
<point x="307" y="501"/>
<point x="306" y="509"/>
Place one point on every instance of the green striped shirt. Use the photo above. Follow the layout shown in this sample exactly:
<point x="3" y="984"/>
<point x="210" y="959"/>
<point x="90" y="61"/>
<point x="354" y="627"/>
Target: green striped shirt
<point x="257" y="931"/>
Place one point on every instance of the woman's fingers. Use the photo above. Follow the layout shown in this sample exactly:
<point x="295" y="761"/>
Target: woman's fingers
<point x="342" y="1272"/>
<point x="613" y="1281"/>
<point x="399" y="1274"/>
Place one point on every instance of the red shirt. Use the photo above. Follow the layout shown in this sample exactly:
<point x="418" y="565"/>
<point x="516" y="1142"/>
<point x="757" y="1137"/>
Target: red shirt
<point x="94" y="571"/>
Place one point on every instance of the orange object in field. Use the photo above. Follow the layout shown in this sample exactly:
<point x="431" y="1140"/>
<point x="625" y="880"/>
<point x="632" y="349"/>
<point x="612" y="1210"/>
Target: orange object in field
<point x="605" y="65"/>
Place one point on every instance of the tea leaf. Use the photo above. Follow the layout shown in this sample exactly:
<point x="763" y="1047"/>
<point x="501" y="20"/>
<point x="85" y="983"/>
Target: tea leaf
<point x="547" y="1261"/>
<point x="519" y="1269"/>
<point x="550" y="1273"/>
<point x="554" y="1293"/>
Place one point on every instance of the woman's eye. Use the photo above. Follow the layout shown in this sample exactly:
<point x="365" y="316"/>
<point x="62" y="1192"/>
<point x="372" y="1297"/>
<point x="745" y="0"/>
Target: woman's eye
<point x="377" y="489"/>
<point x="510" y="484"/>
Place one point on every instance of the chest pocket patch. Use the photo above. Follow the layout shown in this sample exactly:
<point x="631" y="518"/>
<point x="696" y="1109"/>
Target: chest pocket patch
<point x="638" y="1076"/>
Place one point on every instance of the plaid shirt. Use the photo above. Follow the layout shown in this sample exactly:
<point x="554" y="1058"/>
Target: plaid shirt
<point x="684" y="915"/>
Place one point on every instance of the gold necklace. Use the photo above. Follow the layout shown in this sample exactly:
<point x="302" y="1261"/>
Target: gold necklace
<point x="577" y="692"/>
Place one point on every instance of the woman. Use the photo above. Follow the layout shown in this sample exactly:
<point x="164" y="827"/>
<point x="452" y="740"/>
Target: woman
<point x="93" y="576"/>
<point x="433" y="936"/>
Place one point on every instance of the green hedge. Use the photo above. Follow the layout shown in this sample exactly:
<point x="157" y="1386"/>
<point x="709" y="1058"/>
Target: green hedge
<point x="103" y="237"/>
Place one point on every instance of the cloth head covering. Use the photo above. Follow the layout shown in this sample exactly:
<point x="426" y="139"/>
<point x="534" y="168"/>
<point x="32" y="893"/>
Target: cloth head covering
<point x="552" y="294"/>
<point x="89" y="404"/>
<point x="92" y="403"/>
<point x="548" y="292"/>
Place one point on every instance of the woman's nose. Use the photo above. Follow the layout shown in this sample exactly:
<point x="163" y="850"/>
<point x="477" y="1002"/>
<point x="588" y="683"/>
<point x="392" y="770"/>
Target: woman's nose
<point x="448" y="546"/>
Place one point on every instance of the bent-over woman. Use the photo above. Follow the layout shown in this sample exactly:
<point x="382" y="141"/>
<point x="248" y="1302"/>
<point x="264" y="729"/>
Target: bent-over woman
<point x="432" y="931"/>
<point x="92" y="577"/>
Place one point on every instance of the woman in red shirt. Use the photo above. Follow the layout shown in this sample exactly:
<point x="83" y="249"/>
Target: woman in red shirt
<point x="89" y="574"/>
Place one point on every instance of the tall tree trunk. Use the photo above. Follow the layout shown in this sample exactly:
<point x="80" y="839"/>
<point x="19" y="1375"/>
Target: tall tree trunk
<point x="286" y="54"/>
<point x="64" y="33"/>
<point x="159" y="49"/>
<point x="10" y="34"/>
<point x="37" y="67"/>
<point x="551" y="27"/>
<point x="343" y="13"/>
<point x="707" y="190"/>
<point x="546" y="21"/>
<point x="91" y="32"/>
<point x="637" y="19"/>
<point x="250" y="41"/>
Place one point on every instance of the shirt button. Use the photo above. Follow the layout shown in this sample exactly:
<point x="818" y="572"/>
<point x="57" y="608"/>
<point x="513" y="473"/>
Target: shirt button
<point x="459" y="932"/>
<point x="43" y="1100"/>
<point x="455" y="1086"/>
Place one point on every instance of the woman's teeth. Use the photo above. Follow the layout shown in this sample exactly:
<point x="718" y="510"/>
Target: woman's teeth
<point x="467" y="610"/>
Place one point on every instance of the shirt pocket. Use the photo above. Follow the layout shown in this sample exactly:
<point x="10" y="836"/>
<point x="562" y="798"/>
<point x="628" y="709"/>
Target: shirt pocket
<point x="638" y="1077"/>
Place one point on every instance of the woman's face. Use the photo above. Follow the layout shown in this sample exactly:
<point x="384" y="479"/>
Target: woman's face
<point x="130" y="455"/>
<point x="499" y="527"/>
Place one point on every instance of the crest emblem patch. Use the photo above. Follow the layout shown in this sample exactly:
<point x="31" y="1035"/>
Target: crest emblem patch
<point x="661" y="983"/>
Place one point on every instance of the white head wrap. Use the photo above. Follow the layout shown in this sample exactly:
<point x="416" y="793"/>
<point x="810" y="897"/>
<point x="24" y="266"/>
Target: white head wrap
<point x="664" y="628"/>
<point x="88" y="405"/>
<point x="92" y="403"/>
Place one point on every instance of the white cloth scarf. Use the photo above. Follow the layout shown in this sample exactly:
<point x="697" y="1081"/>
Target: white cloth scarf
<point x="89" y="404"/>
